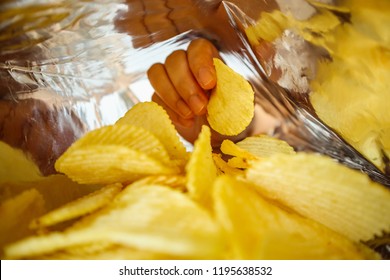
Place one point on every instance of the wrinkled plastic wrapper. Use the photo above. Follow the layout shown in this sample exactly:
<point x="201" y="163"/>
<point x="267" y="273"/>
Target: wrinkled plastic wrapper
<point x="283" y="86"/>
<point x="67" y="67"/>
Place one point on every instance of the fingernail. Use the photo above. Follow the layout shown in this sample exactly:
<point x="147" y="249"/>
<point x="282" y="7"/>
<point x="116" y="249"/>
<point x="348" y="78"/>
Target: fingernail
<point x="197" y="104"/>
<point x="206" y="77"/>
<point x="183" y="109"/>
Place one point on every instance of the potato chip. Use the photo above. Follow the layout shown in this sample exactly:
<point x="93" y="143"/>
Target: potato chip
<point x="252" y="148"/>
<point x="79" y="207"/>
<point x="15" y="166"/>
<point x="16" y="214"/>
<point x="231" y="106"/>
<point x="330" y="7"/>
<point x="106" y="252"/>
<point x="201" y="170"/>
<point x="224" y="167"/>
<point x="385" y="142"/>
<point x="258" y="229"/>
<point x="56" y="190"/>
<point x="317" y="29"/>
<point x="264" y="146"/>
<point x="241" y="159"/>
<point x="152" y="218"/>
<point x="269" y="27"/>
<point x="107" y="164"/>
<point x="152" y="117"/>
<point x="238" y="162"/>
<point x="125" y="135"/>
<point x="317" y="187"/>
<point x="177" y="182"/>
<point x="44" y="244"/>
<point x="230" y="148"/>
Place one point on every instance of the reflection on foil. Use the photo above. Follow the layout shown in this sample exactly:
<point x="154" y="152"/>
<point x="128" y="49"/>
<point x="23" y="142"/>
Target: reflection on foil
<point x="289" y="103"/>
<point x="75" y="56"/>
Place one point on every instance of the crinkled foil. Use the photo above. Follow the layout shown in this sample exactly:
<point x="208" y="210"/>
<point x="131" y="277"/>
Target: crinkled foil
<point x="67" y="67"/>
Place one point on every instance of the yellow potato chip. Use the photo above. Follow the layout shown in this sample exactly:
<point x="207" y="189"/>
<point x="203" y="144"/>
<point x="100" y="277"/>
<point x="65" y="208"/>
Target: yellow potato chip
<point x="16" y="213"/>
<point x="79" y="207"/>
<point x="231" y="106"/>
<point x="201" y="170"/>
<point x="152" y="218"/>
<point x="318" y="29"/>
<point x="258" y="229"/>
<point x="230" y="148"/>
<point x="46" y="244"/>
<point x="385" y="142"/>
<point x="317" y="187"/>
<point x="330" y="7"/>
<point x="264" y="146"/>
<point x="152" y="117"/>
<point x="125" y="135"/>
<point x="224" y="167"/>
<point x="269" y="27"/>
<point x="107" y="164"/>
<point x="106" y="252"/>
<point x="241" y="158"/>
<point x="238" y="162"/>
<point x="56" y="190"/>
<point x="174" y="181"/>
<point x="15" y="166"/>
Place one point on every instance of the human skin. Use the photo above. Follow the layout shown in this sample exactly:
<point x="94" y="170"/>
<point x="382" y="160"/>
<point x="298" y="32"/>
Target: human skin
<point x="183" y="83"/>
<point x="182" y="87"/>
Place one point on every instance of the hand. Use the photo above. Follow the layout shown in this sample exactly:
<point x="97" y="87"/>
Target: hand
<point x="182" y="85"/>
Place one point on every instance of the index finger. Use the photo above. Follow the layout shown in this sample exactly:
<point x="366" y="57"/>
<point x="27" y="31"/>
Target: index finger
<point x="200" y="55"/>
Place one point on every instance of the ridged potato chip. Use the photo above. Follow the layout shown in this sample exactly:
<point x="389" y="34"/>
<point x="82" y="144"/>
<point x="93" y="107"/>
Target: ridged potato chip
<point x="79" y="207"/>
<point x="252" y="148"/>
<point x="317" y="187"/>
<point x="16" y="214"/>
<point x="201" y="169"/>
<point x="152" y="218"/>
<point x="264" y="146"/>
<point x="231" y="106"/>
<point x="134" y="137"/>
<point x="258" y="229"/>
<point x="177" y="182"/>
<point x="152" y="117"/>
<point x="108" y="164"/>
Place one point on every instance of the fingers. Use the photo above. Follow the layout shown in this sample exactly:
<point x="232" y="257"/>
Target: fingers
<point x="175" y="117"/>
<point x="161" y="83"/>
<point x="200" y="58"/>
<point x="187" y="128"/>
<point x="184" y="82"/>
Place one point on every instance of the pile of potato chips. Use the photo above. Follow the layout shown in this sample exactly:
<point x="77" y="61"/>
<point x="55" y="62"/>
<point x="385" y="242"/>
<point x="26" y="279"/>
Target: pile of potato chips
<point x="132" y="191"/>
